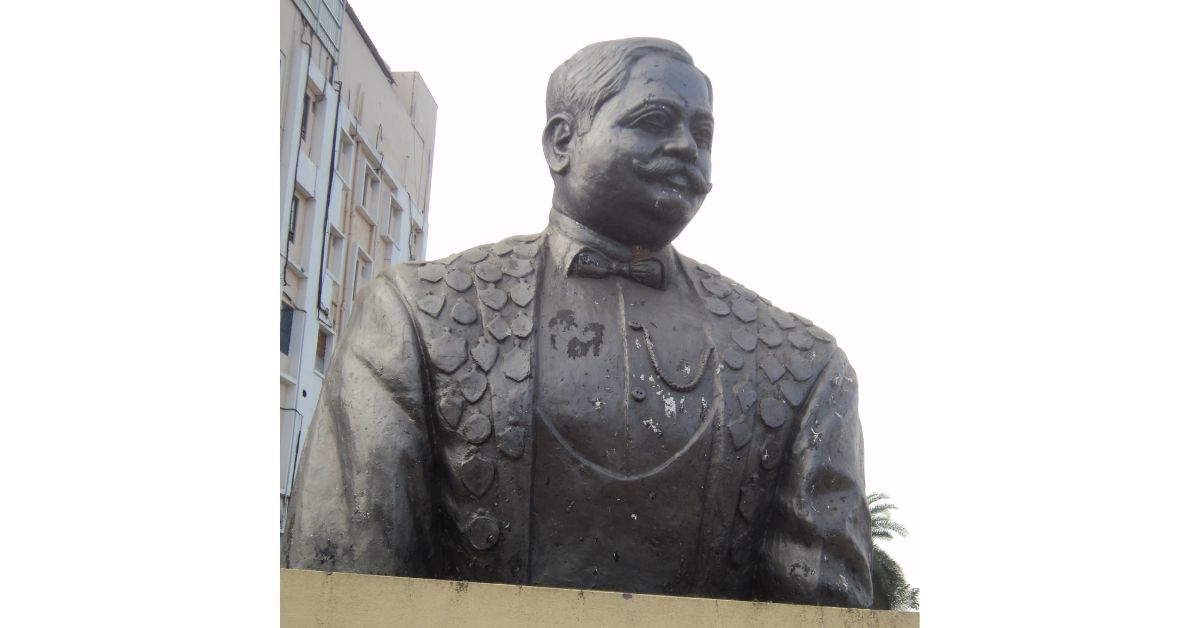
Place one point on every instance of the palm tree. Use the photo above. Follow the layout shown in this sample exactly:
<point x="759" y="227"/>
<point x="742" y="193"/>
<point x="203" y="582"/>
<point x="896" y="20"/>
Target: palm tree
<point x="892" y="591"/>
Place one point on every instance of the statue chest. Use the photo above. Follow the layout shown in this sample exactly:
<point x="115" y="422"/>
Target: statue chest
<point x="623" y="424"/>
<point x="624" y="374"/>
<point x="597" y="432"/>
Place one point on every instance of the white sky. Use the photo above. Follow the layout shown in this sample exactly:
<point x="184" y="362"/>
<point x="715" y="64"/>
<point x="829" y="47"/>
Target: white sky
<point x="814" y="165"/>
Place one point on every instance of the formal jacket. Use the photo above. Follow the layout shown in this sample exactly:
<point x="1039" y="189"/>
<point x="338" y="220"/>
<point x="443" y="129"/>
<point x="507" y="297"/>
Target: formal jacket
<point x="422" y="457"/>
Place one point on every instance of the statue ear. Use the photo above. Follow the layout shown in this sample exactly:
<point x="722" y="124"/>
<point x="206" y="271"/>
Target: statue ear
<point x="556" y="141"/>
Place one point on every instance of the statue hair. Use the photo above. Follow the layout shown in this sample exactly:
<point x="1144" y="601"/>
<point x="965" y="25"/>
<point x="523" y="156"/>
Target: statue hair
<point x="583" y="83"/>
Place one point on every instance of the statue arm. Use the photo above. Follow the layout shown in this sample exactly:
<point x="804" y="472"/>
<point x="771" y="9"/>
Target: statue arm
<point x="817" y="548"/>
<point x="361" y="498"/>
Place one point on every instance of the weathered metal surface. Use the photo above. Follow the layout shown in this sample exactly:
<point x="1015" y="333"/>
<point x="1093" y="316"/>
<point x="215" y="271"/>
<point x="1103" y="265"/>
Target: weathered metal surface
<point x="586" y="407"/>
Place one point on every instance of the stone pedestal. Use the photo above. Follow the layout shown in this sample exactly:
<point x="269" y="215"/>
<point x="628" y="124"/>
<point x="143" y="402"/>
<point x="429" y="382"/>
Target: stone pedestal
<point x="314" y="598"/>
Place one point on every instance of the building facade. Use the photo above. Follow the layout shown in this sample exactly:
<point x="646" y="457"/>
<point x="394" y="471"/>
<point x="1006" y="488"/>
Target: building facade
<point x="356" y="157"/>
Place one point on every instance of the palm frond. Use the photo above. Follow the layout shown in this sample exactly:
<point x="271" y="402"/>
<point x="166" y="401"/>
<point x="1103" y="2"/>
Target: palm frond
<point x="891" y="526"/>
<point x="881" y="507"/>
<point x="892" y="591"/>
<point x="875" y="497"/>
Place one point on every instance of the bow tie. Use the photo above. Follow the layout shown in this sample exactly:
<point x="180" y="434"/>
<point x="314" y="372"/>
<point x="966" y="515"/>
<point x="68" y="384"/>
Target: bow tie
<point x="588" y="263"/>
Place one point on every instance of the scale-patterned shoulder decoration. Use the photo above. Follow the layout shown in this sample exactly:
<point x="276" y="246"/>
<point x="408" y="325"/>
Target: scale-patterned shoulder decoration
<point x="769" y="362"/>
<point x="474" y="312"/>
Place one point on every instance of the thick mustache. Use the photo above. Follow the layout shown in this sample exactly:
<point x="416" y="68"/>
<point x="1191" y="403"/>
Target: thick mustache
<point x="666" y="166"/>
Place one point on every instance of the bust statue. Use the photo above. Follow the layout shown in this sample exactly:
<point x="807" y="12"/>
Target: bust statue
<point x="586" y="407"/>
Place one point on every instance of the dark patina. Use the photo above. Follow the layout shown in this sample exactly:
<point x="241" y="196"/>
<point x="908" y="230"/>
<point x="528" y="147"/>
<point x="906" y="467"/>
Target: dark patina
<point x="586" y="407"/>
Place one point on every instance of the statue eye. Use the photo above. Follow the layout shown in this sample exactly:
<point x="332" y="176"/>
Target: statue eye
<point x="655" y="120"/>
<point x="703" y="135"/>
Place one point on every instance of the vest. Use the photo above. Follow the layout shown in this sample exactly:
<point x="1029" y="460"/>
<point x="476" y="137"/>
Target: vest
<point x="475" y="314"/>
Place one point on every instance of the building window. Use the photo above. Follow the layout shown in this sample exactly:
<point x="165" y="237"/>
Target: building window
<point x="414" y="241"/>
<point x="324" y="348"/>
<point x="345" y="164"/>
<point x="358" y="273"/>
<point x="370" y="193"/>
<point x="297" y="245"/>
<point x="347" y="207"/>
<point x="337" y="245"/>
<point x="308" y="118"/>
<point x="362" y="274"/>
<point x="292" y="218"/>
<point x="396" y="221"/>
<point x="286" y="314"/>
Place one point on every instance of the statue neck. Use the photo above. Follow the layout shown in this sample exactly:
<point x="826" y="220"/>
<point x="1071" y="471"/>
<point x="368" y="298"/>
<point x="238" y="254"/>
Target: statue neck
<point x="586" y="236"/>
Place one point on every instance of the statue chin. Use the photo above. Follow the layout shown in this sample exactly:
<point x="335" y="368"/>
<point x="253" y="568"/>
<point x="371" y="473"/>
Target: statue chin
<point x="651" y="228"/>
<point x="660" y="229"/>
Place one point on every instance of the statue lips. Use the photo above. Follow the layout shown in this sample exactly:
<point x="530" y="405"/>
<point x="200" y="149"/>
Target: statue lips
<point x="679" y="180"/>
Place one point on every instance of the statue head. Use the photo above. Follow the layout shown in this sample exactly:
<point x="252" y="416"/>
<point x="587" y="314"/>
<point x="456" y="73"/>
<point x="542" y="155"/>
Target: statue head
<point x="628" y="139"/>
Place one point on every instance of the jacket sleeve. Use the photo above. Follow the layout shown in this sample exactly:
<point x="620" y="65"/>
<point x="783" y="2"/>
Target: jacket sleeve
<point x="361" y="498"/>
<point x="817" y="546"/>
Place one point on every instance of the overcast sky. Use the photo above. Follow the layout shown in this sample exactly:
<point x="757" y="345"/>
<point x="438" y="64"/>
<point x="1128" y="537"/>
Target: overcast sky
<point x="814" y="202"/>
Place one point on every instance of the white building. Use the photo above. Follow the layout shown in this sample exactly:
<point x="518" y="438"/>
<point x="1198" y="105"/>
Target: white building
<point x="356" y="155"/>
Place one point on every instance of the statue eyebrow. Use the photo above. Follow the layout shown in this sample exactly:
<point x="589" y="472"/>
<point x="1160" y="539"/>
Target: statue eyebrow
<point x="652" y="103"/>
<point x="660" y="103"/>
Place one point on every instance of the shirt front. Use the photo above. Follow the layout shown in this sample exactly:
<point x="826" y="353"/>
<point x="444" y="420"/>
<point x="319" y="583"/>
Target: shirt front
<point x="623" y="421"/>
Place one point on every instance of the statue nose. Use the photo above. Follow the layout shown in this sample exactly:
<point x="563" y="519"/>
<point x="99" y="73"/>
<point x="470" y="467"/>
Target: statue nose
<point x="682" y="145"/>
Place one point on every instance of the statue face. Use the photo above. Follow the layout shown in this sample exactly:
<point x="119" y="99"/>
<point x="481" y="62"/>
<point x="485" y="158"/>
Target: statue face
<point x="640" y="173"/>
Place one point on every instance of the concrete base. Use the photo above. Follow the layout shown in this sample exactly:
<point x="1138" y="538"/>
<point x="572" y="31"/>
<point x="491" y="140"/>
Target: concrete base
<point x="315" y="598"/>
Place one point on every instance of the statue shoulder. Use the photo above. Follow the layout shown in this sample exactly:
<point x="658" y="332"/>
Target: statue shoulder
<point x="807" y="346"/>
<point x="457" y="291"/>
<point x="458" y="271"/>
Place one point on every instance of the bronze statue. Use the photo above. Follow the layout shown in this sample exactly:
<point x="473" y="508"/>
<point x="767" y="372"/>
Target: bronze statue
<point x="585" y="407"/>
